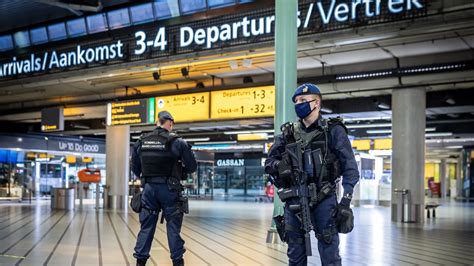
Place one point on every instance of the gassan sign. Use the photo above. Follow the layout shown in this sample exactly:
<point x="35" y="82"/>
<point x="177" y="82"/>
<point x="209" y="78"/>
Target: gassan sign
<point x="228" y="30"/>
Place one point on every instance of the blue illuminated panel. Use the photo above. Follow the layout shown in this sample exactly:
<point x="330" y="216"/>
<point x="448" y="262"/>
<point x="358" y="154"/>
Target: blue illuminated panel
<point x="118" y="18"/>
<point x="142" y="13"/>
<point x="39" y="35"/>
<point x="220" y="3"/>
<point x="22" y="39"/>
<point x="96" y="23"/>
<point x="76" y="27"/>
<point x="57" y="32"/>
<point x="192" y="6"/>
<point x="6" y="43"/>
<point x="166" y="9"/>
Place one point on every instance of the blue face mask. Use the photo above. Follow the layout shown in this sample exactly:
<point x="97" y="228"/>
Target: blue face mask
<point x="304" y="109"/>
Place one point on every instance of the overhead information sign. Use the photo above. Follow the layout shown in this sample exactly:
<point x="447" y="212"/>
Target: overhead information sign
<point x="185" y="107"/>
<point x="361" y="144"/>
<point x="52" y="119"/>
<point x="132" y="112"/>
<point x="243" y="103"/>
<point x="382" y="144"/>
<point x="148" y="41"/>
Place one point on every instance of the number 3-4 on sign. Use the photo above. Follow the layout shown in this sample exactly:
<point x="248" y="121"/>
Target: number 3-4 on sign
<point x="142" y="43"/>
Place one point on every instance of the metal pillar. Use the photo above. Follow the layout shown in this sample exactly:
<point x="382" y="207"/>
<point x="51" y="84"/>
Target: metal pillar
<point x="286" y="45"/>
<point x="443" y="178"/>
<point x="118" y="166"/>
<point x="459" y="176"/>
<point x="408" y="159"/>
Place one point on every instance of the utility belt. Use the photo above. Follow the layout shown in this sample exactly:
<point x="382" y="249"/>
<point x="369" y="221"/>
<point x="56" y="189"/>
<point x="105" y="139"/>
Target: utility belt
<point x="314" y="194"/>
<point x="182" y="205"/>
<point x="173" y="182"/>
<point x="156" y="179"/>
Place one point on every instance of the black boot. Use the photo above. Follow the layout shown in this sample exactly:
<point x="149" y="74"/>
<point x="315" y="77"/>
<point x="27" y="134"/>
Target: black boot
<point x="141" y="262"/>
<point x="179" y="262"/>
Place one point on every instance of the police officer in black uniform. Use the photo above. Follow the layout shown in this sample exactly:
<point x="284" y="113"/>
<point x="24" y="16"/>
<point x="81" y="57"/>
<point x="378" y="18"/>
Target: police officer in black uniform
<point x="327" y="138"/>
<point x="160" y="158"/>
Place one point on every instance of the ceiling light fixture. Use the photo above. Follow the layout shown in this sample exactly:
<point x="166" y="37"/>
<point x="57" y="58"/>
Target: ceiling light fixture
<point x="233" y="64"/>
<point x="439" y="134"/>
<point x="247" y="63"/>
<point x="156" y="76"/>
<point x="196" y="139"/>
<point x="326" y="110"/>
<point x="200" y="85"/>
<point x="248" y="79"/>
<point x="216" y="142"/>
<point x="185" y="72"/>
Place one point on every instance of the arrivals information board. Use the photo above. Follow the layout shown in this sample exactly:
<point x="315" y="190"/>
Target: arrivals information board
<point x="185" y="107"/>
<point x="243" y="103"/>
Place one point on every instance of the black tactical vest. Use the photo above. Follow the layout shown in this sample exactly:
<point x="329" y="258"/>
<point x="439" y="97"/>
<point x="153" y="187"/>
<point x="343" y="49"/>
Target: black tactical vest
<point x="156" y="157"/>
<point x="317" y="139"/>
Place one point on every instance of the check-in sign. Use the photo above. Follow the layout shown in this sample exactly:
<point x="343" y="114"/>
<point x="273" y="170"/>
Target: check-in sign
<point x="243" y="103"/>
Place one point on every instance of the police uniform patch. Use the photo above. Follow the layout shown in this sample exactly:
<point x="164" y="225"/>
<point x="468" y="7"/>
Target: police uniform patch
<point x="305" y="89"/>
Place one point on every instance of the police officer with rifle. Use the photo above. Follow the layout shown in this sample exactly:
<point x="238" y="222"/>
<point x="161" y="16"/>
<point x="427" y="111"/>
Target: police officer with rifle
<point x="306" y="162"/>
<point x="161" y="159"/>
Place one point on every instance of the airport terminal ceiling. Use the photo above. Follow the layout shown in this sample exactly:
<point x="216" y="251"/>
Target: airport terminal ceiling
<point x="356" y="67"/>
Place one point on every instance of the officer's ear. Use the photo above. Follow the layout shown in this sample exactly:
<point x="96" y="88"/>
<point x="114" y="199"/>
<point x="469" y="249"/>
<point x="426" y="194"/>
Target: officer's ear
<point x="318" y="101"/>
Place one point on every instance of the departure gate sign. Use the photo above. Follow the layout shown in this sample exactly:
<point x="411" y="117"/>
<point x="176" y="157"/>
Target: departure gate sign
<point x="140" y="111"/>
<point x="243" y="103"/>
<point x="185" y="107"/>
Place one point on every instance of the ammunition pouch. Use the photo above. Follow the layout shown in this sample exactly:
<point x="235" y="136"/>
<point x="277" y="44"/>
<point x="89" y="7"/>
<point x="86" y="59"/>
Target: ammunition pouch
<point x="285" y="173"/>
<point x="312" y="192"/>
<point x="183" y="204"/>
<point x="136" y="202"/>
<point x="287" y="193"/>
<point x="327" y="234"/>
<point x="280" y="226"/>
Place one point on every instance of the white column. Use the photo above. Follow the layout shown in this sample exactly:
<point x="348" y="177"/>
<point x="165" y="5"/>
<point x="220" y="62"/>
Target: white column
<point x="408" y="159"/>
<point x="117" y="166"/>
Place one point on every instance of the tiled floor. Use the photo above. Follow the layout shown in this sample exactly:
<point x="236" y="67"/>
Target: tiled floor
<point x="225" y="233"/>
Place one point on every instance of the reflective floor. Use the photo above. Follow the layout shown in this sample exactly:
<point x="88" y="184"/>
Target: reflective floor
<point x="225" y="233"/>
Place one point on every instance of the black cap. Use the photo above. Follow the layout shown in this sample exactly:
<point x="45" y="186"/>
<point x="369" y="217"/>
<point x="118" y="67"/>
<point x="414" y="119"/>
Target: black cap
<point x="165" y="115"/>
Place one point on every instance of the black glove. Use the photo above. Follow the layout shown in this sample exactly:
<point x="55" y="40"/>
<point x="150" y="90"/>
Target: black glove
<point x="344" y="216"/>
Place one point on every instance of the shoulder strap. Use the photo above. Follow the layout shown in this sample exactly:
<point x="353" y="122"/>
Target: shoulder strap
<point x="332" y="122"/>
<point x="297" y="131"/>
<point x="144" y="135"/>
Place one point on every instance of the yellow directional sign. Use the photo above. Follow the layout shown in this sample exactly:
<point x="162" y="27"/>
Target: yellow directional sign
<point x="382" y="144"/>
<point x="361" y="144"/>
<point x="243" y="103"/>
<point x="185" y="107"/>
